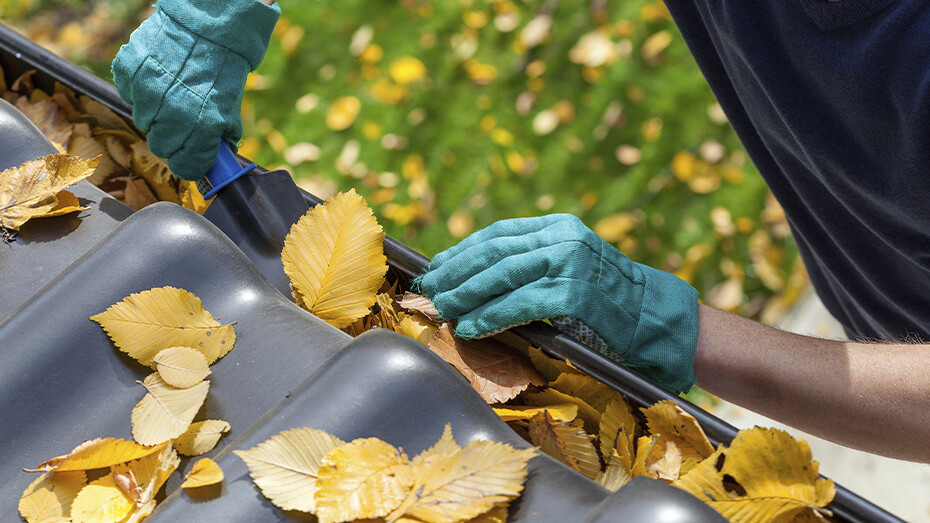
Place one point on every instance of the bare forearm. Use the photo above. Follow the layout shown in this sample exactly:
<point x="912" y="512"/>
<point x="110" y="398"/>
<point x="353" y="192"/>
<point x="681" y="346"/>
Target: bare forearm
<point x="869" y="396"/>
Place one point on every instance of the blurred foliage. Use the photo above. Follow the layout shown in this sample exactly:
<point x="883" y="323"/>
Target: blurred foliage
<point x="448" y="116"/>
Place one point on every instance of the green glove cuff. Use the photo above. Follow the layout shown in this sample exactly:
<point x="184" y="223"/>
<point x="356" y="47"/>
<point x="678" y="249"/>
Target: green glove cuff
<point x="242" y="26"/>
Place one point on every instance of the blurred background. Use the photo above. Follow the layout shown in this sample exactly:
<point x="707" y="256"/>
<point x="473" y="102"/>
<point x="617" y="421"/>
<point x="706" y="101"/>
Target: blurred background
<point x="448" y="116"/>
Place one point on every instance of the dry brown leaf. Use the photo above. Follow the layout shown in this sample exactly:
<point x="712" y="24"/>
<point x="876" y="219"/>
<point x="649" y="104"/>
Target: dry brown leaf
<point x="414" y="302"/>
<point x="97" y="453"/>
<point x="48" y="499"/>
<point x="166" y="411"/>
<point x="366" y="478"/>
<point x="49" y="118"/>
<point x="29" y="190"/>
<point x="334" y="257"/>
<point x="496" y="371"/>
<point x="181" y="367"/>
<point x="205" y="472"/>
<point x="465" y="484"/>
<point x="769" y="477"/>
<point x="667" y="419"/>
<point x="201" y="437"/>
<point x="285" y="466"/>
<point x="137" y="193"/>
<point x="144" y="323"/>
<point x="569" y="444"/>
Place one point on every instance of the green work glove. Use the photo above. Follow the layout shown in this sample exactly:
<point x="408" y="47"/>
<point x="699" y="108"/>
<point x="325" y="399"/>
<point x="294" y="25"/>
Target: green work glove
<point x="554" y="267"/>
<point x="184" y="72"/>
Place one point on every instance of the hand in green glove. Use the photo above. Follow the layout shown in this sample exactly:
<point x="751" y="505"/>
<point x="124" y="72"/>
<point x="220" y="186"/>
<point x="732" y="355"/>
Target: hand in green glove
<point x="520" y="270"/>
<point x="184" y="72"/>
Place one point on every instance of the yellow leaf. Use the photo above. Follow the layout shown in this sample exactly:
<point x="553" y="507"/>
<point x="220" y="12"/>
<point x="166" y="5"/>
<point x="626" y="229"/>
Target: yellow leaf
<point x="204" y="472"/>
<point x="49" y="117"/>
<point x="201" y="437"/>
<point x="285" y="466"/>
<point x="667" y="419"/>
<point x="165" y="412"/>
<point x="97" y="453"/>
<point x="136" y="193"/>
<point x="446" y="446"/>
<point x="181" y="367"/>
<point x="146" y="322"/>
<point x="150" y="473"/>
<point x="102" y="501"/>
<point x="565" y="442"/>
<point x="561" y="411"/>
<point x="617" y="430"/>
<point x="586" y="413"/>
<point x="29" y="190"/>
<point x="592" y="391"/>
<point x="497" y="372"/>
<point x="769" y="476"/>
<point x="466" y="484"/>
<point x="155" y="171"/>
<point x="191" y="197"/>
<point x="48" y="499"/>
<point x="550" y="368"/>
<point x="67" y="203"/>
<point x="366" y="478"/>
<point x="648" y="450"/>
<point x="407" y="70"/>
<point x="416" y="327"/>
<point x="342" y="113"/>
<point x="334" y="257"/>
<point x="614" y="476"/>
<point x="668" y="466"/>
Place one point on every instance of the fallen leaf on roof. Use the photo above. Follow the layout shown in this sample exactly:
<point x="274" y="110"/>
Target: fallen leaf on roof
<point x="201" y="437"/>
<point x="205" y="472"/>
<point x="166" y="411"/>
<point x="48" y="499"/>
<point x="97" y="453"/>
<point x="497" y="372"/>
<point x="29" y="190"/>
<point x="181" y="367"/>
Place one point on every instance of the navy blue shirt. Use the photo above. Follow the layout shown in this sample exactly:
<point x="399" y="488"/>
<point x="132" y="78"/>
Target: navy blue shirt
<point x="832" y="101"/>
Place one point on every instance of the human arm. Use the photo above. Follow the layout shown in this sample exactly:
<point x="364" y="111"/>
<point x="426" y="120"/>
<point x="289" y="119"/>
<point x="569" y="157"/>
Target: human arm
<point x="869" y="396"/>
<point x="184" y="72"/>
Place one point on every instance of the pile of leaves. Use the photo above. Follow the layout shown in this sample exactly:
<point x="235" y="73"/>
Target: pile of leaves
<point x="85" y="128"/>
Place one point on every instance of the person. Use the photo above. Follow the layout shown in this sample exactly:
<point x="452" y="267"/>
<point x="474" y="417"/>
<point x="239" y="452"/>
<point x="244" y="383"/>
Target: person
<point x="830" y="99"/>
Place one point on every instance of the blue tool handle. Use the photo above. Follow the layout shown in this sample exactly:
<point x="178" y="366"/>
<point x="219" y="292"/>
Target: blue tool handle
<point x="225" y="170"/>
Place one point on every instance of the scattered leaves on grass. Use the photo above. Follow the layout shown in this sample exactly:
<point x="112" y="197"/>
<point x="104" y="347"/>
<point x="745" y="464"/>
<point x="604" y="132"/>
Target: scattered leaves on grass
<point x="204" y="472"/>
<point x="335" y="259"/>
<point x="497" y="372"/>
<point x="166" y="411"/>
<point x="29" y="191"/>
<point x="144" y="323"/>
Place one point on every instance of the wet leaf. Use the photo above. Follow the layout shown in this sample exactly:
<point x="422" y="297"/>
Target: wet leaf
<point x="201" y="437"/>
<point x="48" y="499"/>
<point x="29" y="190"/>
<point x="335" y="259"/>
<point x="565" y="442"/>
<point x="667" y="419"/>
<point x="366" y="478"/>
<point x="285" y="466"/>
<point x="144" y="323"/>
<point x="497" y="372"/>
<point x="166" y="411"/>
<point x="97" y="453"/>
<point x="204" y="472"/>
<point x="181" y="367"/>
